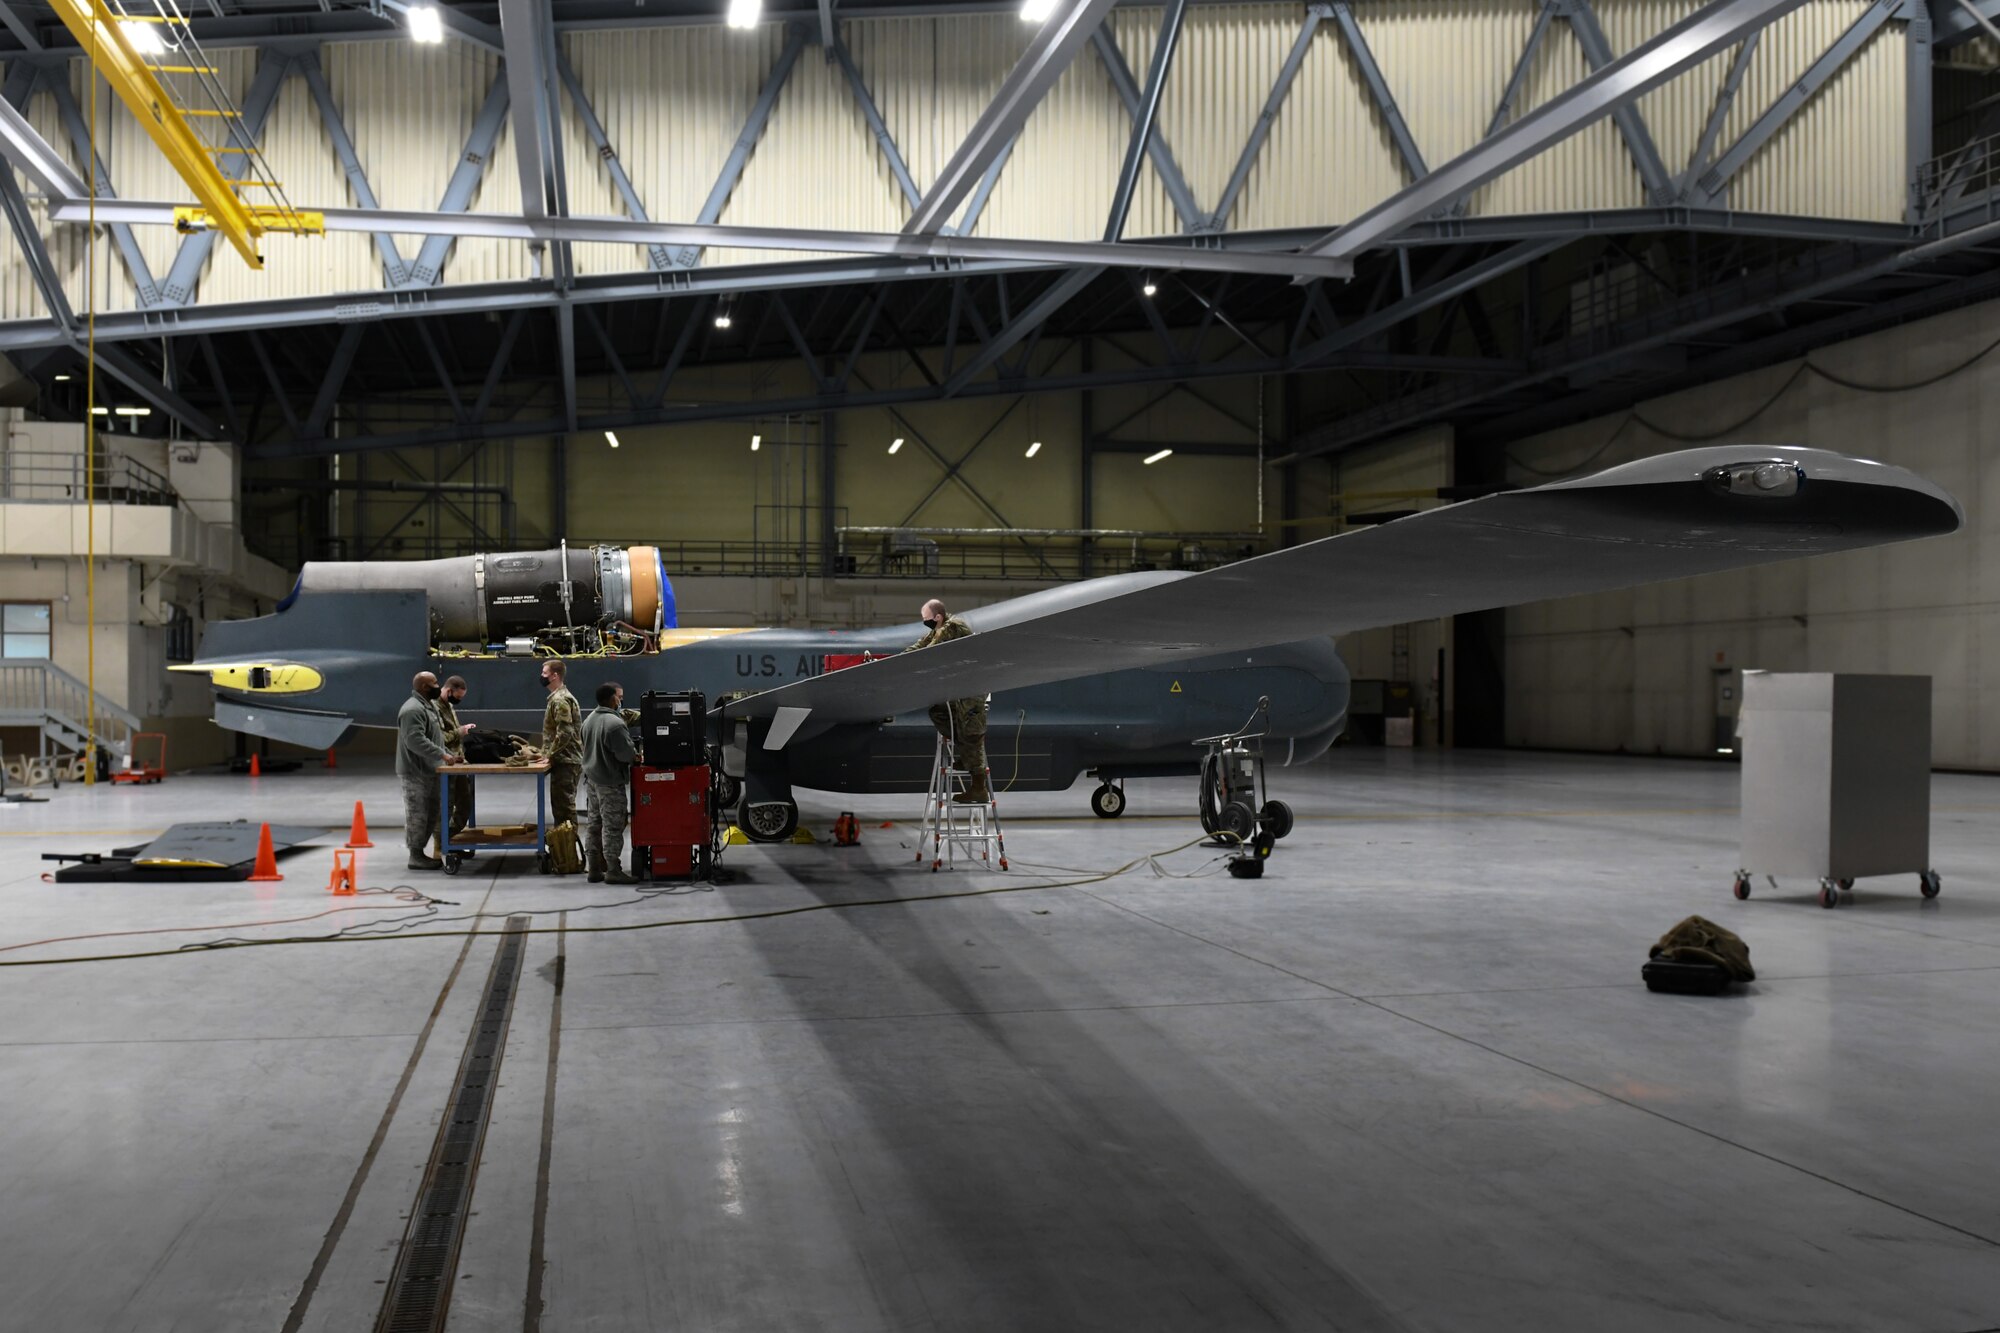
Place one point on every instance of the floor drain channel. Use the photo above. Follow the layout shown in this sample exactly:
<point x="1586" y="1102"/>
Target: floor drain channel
<point x="419" y="1293"/>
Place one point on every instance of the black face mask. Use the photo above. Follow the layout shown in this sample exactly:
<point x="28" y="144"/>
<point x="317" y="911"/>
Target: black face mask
<point x="431" y="691"/>
<point x="930" y="624"/>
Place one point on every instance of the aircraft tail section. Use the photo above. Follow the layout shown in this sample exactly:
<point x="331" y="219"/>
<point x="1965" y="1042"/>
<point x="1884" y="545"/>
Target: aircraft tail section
<point x="327" y="662"/>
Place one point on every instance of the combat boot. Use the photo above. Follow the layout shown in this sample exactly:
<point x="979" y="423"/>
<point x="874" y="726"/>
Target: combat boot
<point x="976" y="793"/>
<point x="596" y="868"/>
<point x="615" y="874"/>
<point x="422" y="862"/>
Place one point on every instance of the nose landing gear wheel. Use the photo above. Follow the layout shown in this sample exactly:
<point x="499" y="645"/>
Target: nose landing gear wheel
<point x="1108" y="802"/>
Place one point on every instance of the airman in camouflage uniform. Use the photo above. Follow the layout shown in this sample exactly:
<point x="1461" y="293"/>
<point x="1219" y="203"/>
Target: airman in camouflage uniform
<point x="459" y="812"/>
<point x="562" y="740"/>
<point x="419" y="753"/>
<point x="608" y="755"/>
<point x="961" y="721"/>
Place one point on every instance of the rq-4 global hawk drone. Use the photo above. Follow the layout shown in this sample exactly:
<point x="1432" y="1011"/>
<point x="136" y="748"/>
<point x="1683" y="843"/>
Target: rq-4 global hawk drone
<point x="1111" y="676"/>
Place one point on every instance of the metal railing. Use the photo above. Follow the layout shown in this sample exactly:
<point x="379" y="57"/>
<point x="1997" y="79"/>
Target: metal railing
<point x="37" y="693"/>
<point x="54" y="476"/>
<point x="1968" y="172"/>
<point x="885" y="556"/>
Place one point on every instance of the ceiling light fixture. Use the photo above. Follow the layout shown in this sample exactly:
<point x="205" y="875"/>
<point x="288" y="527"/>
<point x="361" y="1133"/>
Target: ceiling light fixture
<point x="1154" y="458"/>
<point x="756" y="441"/>
<point x="1037" y="11"/>
<point x="895" y="444"/>
<point x="62" y="377"/>
<point x="744" y="13"/>
<point x="426" y="24"/>
<point x="134" y="411"/>
<point x="142" y="37"/>
<point x="1150" y="287"/>
<point x="611" y="439"/>
<point x="1034" y="448"/>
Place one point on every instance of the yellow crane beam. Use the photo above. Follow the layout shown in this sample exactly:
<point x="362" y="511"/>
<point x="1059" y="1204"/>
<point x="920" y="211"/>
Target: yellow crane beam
<point x="96" y="28"/>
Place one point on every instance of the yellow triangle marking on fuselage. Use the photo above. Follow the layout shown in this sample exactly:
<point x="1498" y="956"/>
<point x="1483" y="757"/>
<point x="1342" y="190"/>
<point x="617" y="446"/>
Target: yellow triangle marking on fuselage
<point x="1176" y="688"/>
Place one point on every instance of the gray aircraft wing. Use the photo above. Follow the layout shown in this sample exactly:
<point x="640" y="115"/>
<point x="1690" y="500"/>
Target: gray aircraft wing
<point x="1698" y="511"/>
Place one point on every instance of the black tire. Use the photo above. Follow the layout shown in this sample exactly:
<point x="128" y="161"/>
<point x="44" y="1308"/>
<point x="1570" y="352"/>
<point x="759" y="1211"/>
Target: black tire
<point x="728" y="791"/>
<point x="1741" y="888"/>
<point x="544" y="863"/>
<point x="1234" y="821"/>
<point x="1829" y="895"/>
<point x="1276" y="817"/>
<point x="1107" y="802"/>
<point x="1930" y="884"/>
<point x="451" y="864"/>
<point x="768" y="821"/>
<point x="1845" y="885"/>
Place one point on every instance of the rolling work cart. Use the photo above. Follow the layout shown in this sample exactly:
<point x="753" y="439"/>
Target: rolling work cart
<point x="500" y="837"/>
<point x="1836" y="779"/>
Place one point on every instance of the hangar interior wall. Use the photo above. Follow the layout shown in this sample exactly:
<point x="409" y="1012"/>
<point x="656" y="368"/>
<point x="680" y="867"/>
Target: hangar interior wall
<point x="1634" y="671"/>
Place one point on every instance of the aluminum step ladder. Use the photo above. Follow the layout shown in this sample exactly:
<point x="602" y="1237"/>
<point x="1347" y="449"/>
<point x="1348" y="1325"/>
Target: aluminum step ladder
<point x="954" y="830"/>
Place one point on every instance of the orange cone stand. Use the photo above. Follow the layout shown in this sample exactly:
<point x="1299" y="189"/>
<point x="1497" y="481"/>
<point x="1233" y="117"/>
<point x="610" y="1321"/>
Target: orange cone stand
<point x="266" y="869"/>
<point x="256" y="768"/>
<point x="358" y="835"/>
<point x="342" y="880"/>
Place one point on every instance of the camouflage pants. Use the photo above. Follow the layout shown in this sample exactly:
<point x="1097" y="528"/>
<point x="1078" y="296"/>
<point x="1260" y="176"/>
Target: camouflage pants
<point x="604" y="835"/>
<point x="963" y="723"/>
<point x="461" y="804"/>
<point x="563" y="779"/>
<point x="420" y="811"/>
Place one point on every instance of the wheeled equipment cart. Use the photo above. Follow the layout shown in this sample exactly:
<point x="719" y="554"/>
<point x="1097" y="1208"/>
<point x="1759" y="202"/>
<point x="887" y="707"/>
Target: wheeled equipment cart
<point x="498" y="837"/>
<point x="1836" y="779"/>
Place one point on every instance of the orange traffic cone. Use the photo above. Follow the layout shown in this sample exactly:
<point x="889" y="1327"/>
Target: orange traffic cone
<point x="266" y="869"/>
<point x="342" y="880"/>
<point x="256" y="769"/>
<point x="358" y="835"/>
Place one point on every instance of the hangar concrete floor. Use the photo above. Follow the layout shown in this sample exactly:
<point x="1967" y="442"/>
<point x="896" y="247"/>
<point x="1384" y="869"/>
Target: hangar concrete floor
<point x="1409" y="1080"/>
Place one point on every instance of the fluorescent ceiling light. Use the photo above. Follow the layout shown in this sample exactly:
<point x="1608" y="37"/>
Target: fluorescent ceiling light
<point x="1034" y="448"/>
<point x="62" y="377"/>
<point x="100" y="411"/>
<point x="722" y="320"/>
<point x="755" y="441"/>
<point x="611" y="439"/>
<point x="426" y="24"/>
<point x="142" y="37"/>
<point x="896" y="444"/>
<point x="1036" y="11"/>
<point x="744" y="13"/>
<point x="134" y="411"/>
<point x="1154" y="458"/>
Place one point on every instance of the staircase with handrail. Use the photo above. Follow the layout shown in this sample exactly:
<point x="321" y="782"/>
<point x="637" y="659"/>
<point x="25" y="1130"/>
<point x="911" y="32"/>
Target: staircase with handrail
<point x="39" y="694"/>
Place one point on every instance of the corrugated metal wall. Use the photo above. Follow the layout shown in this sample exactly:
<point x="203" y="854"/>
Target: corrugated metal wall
<point x="1632" y="670"/>
<point x="673" y="101"/>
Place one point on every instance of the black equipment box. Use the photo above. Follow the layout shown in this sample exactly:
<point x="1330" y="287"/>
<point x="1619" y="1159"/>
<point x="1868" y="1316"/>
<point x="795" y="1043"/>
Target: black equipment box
<point x="673" y="729"/>
<point x="1665" y="975"/>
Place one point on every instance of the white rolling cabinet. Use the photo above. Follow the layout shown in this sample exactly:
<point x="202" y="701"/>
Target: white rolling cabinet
<point x="1836" y="779"/>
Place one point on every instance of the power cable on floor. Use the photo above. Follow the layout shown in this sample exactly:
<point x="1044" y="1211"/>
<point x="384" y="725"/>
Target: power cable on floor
<point x="347" y="937"/>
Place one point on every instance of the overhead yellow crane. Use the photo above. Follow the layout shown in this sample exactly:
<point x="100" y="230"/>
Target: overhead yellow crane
<point x="114" y="38"/>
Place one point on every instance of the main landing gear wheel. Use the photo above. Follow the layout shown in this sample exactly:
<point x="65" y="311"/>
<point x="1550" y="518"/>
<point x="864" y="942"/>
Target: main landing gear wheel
<point x="728" y="791"/>
<point x="1930" y="883"/>
<point x="768" y="821"/>
<point x="1108" y="802"/>
<point x="1276" y="817"/>
<point x="1742" y="887"/>
<point x="1829" y="893"/>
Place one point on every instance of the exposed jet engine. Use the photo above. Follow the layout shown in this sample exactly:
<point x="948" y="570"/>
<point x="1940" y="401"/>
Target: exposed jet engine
<point x="570" y="599"/>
